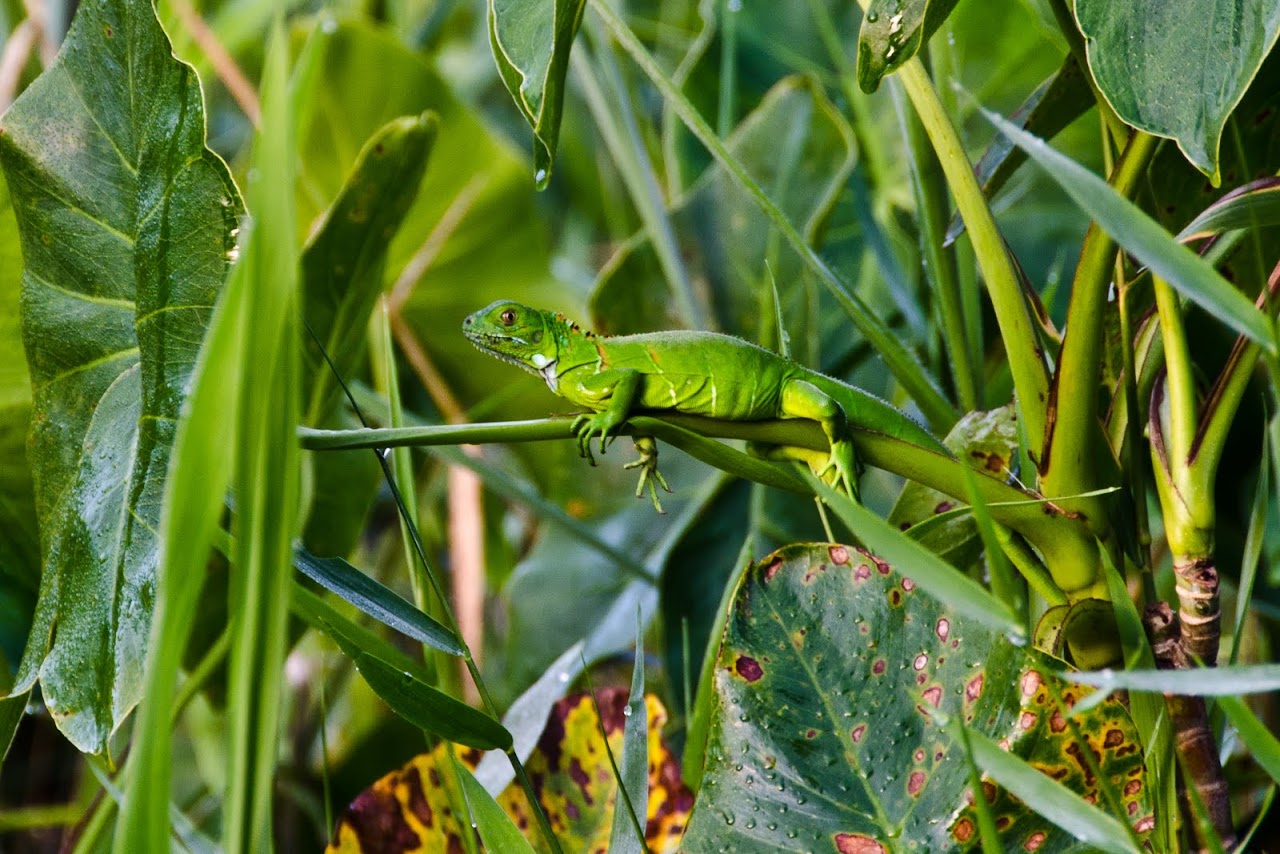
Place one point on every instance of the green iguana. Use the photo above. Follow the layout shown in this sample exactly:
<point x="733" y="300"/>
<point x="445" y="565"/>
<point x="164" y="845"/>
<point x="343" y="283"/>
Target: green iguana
<point x="698" y="373"/>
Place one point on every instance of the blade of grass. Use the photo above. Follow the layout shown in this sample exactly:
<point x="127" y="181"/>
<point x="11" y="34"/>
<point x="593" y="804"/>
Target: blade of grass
<point x="627" y="834"/>
<point x="1198" y="682"/>
<point x="1252" y="546"/>
<point x="496" y="828"/>
<point x="268" y="473"/>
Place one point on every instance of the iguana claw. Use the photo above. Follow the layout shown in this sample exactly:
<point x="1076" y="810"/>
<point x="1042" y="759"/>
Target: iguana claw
<point x="602" y="423"/>
<point x="647" y="448"/>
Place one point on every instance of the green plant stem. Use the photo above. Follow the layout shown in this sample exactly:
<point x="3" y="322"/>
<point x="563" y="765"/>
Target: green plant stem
<point x="1179" y="432"/>
<point x="728" y="68"/>
<point x="1071" y="450"/>
<point x="1130" y="456"/>
<point x="617" y="126"/>
<point x="1055" y="535"/>
<point x="932" y="402"/>
<point x="1219" y="411"/>
<point x="933" y="211"/>
<point x="1017" y="326"/>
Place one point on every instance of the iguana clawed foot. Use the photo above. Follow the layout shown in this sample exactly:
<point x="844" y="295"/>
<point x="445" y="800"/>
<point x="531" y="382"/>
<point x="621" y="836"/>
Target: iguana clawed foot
<point x="647" y="448"/>
<point x="841" y="469"/>
<point x="596" y="423"/>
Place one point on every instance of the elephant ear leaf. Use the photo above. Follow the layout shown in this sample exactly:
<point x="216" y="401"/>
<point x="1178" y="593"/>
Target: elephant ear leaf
<point x="531" y="40"/>
<point x="126" y="222"/>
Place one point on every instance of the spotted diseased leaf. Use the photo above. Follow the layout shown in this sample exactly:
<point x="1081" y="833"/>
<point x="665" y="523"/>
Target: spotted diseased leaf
<point x="823" y="734"/>
<point x="531" y="40"/>
<point x="126" y="220"/>
<point x="419" y="808"/>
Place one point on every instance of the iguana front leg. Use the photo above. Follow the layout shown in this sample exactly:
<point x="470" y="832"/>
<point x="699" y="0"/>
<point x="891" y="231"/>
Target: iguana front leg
<point x="801" y="399"/>
<point x="612" y="394"/>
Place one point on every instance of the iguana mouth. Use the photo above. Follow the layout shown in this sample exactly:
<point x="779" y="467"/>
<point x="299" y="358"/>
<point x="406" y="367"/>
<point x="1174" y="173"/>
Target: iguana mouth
<point x="485" y="343"/>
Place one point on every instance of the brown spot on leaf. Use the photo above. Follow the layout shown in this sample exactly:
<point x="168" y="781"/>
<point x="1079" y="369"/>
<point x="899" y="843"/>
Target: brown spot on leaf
<point x="1027" y="720"/>
<point x="963" y="830"/>
<point x="881" y="565"/>
<point x="943" y="507"/>
<point x="748" y="668"/>
<point x="858" y="732"/>
<point x="943" y="629"/>
<point x="1034" y="841"/>
<point x="1145" y="824"/>
<point x="375" y="818"/>
<point x="857" y="843"/>
<point x="895" y="597"/>
<point x="1030" y="683"/>
<point x="933" y="696"/>
<point x="918" y="756"/>
<point x="915" y="783"/>
<point x="908" y="585"/>
<point x="839" y="555"/>
<point x="417" y="797"/>
<point x="1132" y="788"/>
<point x="1057" y="723"/>
<point x="920" y="661"/>
<point x="862" y="573"/>
<point x="1114" y="738"/>
<point x="811" y="733"/>
<point x="771" y="570"/>
<point x="878" y="667"/>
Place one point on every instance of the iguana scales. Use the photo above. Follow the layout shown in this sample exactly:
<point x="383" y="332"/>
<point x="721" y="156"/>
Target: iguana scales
<point x="699" y="373"/>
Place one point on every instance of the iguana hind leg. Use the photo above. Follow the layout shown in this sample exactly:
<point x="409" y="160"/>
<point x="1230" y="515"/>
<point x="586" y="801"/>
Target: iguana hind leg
<point x="647" y="448"/>
<point x="802" y="399"/>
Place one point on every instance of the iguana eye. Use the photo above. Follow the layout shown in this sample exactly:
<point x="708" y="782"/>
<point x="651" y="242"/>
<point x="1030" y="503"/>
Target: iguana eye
<point x="508" y="317"/>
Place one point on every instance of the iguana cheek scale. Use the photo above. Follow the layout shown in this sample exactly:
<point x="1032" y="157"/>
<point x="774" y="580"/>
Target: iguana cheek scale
<point x="698" y="373"/>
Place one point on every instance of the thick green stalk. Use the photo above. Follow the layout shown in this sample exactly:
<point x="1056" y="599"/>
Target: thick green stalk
<point x="935" y="406"/>
<point x="1017" y="326"/>
<point x="1073" y="444"/>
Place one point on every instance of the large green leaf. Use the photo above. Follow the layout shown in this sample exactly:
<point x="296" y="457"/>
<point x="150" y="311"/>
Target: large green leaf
<point x="19" y="536"/>
<point x="1177" y="68"/>
<point x="531" y="40"/>
<point x="823" y="730"/>
<point x="126" y="222"/>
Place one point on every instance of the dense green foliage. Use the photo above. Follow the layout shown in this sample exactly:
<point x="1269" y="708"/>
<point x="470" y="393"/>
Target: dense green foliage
<point x="246" y="451"/>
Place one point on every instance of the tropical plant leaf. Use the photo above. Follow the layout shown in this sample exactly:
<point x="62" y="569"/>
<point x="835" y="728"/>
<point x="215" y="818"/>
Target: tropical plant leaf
<point x="401" y="681"/>
<point x="824" y="733"/>
<point x="19" y="534"/>
<point x="1141" y="55"/>
<point x="343" y="263"/>
<point x="892" y="32"/>
<point x="531" y="40"/>
<point x="374" y="599"/>
<point x="115" y="166"/>
<point x="416" y="808"/>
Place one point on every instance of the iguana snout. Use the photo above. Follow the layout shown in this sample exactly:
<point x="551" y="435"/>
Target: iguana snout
<point x="514" y="333"/>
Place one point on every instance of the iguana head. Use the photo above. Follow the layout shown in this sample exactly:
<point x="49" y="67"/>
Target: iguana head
<point x="516" y="333"/>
